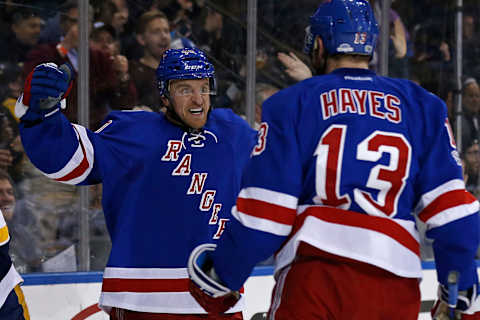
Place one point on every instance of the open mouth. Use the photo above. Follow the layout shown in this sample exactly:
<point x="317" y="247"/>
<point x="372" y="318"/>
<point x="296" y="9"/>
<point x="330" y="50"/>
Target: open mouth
<point x="196" y="111"/>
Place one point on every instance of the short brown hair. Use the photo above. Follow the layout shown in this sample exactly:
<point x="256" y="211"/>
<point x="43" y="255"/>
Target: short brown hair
<point x="147" y="17"/>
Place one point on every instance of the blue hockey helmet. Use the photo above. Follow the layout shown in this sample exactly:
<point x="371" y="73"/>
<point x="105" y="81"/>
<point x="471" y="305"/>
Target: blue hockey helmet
<point x="345" y="26"/>
<point x="185" y="63"/>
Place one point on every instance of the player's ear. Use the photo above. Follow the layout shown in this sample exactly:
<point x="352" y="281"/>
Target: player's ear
<point x="165" y="101"/>
<point x="318" y="47"/>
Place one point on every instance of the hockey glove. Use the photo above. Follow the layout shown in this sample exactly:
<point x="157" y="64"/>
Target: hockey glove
<point x="466" y="308"/>
<point x="205" y="285"/>
<point x="45" y="87"/>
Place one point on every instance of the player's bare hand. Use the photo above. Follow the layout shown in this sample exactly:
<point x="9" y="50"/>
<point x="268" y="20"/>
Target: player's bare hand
<point x="295" y="67"/>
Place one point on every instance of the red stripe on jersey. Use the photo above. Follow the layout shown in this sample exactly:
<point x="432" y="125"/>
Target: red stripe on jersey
<point x="355" y="219"/>
<point x="80" y="169"/>
<point x="446" y="201"/>
<point x="265" y="210"/>
<point x="146" y="285"/>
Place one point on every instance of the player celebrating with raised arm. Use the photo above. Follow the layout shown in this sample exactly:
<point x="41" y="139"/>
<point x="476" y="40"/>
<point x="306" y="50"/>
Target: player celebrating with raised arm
<point x="169" y="180"/>
<point x="344" y="162"/>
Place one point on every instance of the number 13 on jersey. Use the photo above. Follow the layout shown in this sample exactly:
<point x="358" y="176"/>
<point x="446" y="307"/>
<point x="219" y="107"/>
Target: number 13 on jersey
<point x="388" y="179"/>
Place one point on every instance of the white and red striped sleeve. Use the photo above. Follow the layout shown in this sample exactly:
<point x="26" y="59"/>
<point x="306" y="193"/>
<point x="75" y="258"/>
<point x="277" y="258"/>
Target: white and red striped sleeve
<point x="446" y="203"/>
<point x="80" y="164"/>
<point x="266" y="210"/>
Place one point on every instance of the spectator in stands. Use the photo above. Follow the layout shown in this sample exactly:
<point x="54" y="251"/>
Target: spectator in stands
<point x="215" y="29"/>
<point x="471" y="110"/>
<point x="11" y="82"/>
<point x="471" y="158"/>
<point x="57" y="26"/>
<point x="181" y="14"/>
<point x="104" y="11"/>
<point x="116" y="13"/>
<point x="431" y="63"/>
<point x="120" y="16"/>
<point x="208" y="31"/>
<point x="23" y="35"/>
<point x="24" y="250"/>
<point x="107" y="90"/>
<point x="103" y="38"/>
<point x="112" y="12"/>
<point x="7" y="135"/>
<point x="399" y="52"/>
<point x="471" y="43"/>
<point x="153" y="34"/>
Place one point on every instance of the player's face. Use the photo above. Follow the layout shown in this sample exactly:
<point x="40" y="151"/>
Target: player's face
<point x="191" y="101"/>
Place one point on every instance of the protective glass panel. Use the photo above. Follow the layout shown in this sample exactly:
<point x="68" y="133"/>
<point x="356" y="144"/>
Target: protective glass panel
<point x="125" y="47"/>
<point x="41" y="213"/>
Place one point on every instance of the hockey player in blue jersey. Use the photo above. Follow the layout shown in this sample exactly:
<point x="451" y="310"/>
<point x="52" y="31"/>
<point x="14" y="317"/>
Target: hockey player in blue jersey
<point x="344" y="163"/>
<point x="12" y="301"/>
<point x="169" y="180"/>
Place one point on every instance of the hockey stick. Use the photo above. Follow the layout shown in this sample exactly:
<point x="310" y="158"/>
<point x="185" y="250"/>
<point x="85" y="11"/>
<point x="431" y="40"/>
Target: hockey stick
<point x="452" y="282"/>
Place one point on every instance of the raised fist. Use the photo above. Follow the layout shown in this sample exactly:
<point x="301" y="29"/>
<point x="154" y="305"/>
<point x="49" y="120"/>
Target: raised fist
<point x="44" y="88"/>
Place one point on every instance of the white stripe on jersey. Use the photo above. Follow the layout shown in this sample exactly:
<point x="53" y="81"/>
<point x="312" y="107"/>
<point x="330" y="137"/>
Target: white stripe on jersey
<point x="452" y="214"/>
<point x="430" y="196"/>
<point x="359" y="243"/>
<point x="158" y="302"/>
<point x="261" y="224"/>
<point x="11" y="279"/>
<point x="168" y="292"/>
<point x="273" y="197"/>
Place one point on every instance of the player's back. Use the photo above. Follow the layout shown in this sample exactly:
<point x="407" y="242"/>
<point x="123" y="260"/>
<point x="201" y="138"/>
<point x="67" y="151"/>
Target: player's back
<point x="364" y="141"/>
<point x="365" y="153"/>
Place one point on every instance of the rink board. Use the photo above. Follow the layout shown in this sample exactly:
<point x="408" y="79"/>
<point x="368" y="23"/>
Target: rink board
<point x="61" y="296"/>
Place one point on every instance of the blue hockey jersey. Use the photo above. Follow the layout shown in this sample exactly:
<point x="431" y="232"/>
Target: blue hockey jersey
<point x="9" y="277"/>
<point x="345" y="162"/>
<point x="165" y="191"/>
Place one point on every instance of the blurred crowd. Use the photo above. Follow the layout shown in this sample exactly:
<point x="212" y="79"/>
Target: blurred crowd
<point x="127" y="39"/>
